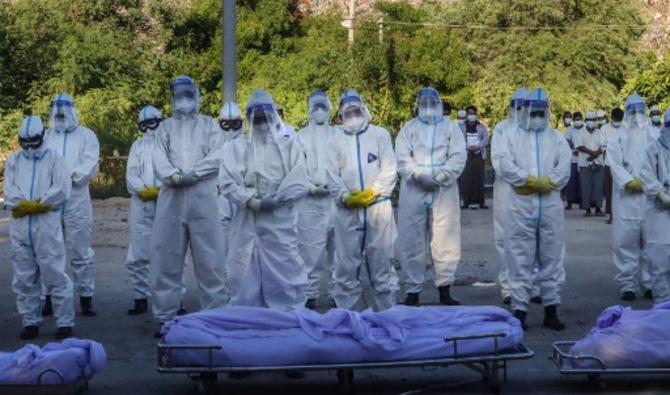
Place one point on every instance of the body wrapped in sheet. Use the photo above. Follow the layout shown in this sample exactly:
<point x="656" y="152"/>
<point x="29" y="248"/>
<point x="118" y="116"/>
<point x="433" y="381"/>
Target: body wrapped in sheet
<point x="627" y="338"/>
<point x="73" y="359"/>
<point x="265" y="337"/>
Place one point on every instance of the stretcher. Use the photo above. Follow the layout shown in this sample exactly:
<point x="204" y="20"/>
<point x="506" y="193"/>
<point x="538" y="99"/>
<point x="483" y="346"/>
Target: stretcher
<point x="40" y="388"/>
<point x="489" y="366"/>
<point x="568" y="365"/>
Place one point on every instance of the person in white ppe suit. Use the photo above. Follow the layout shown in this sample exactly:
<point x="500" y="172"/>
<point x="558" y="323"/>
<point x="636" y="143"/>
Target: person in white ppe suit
<point x="186" y="161"/>
<point x="656" y="122"/>
<point x="655" y="176"/>
<point x="232" y="125"/>
<point x="502" y="189"/>
<point x="80" y="150"/>
<point x="362" y="177"/>
<point x="430" y="152"/>
<point x="535" y="161"/>
<point x="265" y="181"/>
<point x="36" y="187"/>
<point x="317" y="210"/>
<point x="625" y="155"/>
<point x="144" y="187"/>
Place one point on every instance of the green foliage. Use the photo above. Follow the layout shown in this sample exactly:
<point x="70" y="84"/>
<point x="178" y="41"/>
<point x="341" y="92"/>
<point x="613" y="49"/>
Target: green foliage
<point x="116" y="56"/>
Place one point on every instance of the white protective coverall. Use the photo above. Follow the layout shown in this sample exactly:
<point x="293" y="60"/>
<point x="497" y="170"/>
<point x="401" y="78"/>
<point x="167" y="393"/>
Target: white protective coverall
<point x="502" y="189"/>
<point x="140" y="175"/>
<point x="265" y="178"/>
<point x="534" y="224"/>
<point x="80" y="150"/>
<point x="317" y="209"/>
<point x="186" y="161"/>
<point x="655" y="176"/>
<point x="38" y="249"/>
<point x="625" y="154"/>
<point x="362" y="157"/>
<point x="429" y="218"/>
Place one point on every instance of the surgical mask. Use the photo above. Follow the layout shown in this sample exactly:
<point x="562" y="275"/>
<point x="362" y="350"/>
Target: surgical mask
<point x="590" y="125"/>
<point x="567" y="121"/>
<point x="537" y="124"/>
<point x="263" y="128"/>
<point x="320" y="116"/>
<point x="616" y="124"/>
<point x="656" y="119"/>
<point x="603" y="122"/>
<point x="579" y="124"/>
<point x="354" y="124"/>
<point x="184" y="105"/>
<point x="461" y="121"/>
<point x="472" y="118"/>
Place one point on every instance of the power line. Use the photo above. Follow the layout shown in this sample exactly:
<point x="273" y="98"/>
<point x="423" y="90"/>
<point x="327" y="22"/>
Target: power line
<point x="549" y="28"/>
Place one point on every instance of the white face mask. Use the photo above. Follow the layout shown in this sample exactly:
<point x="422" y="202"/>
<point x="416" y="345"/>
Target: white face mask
<point x="537" y="124"/>
<point x="60" y="125"/>
<point x="590" y="125"/>
<point x="320" y="116"/>
<point x="579" y="124"/>
<point x="656" y="119"/>
<point x="472" y="118"/>
<point x="354" y="124"/>
<point x="184" y="106"/>
<point x="616" y="124"/>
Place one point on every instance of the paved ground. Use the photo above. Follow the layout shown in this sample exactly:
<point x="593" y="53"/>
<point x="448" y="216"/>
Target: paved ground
<point x="131" y="349"/>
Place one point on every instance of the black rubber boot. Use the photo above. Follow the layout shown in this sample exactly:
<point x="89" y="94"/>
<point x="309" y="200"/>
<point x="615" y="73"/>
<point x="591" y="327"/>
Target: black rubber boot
<point x="47" y="307"/>
<point x="648" y="294"/>
<point x="158" y="334"/>
<point x="536" y="300"/>
<point x="507" y="300"/>
<point x="86" y="303"/>
<point x="182" y="310"/>
<point x="29" y="332"/>
<point x="445" y="296"/>
<point x="551" y="320"/>
<point x="628" y="296"/>
<point x="141" y="307"/>
<point x="310" y="304"/>
<point x="412" y="299"/>
<point x="521" y="316"/>
<point x="63" y="332"/>
<point x="332" y="304"/>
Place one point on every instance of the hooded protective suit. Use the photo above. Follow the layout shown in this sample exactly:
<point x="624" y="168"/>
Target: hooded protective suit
<point x="38" y="249"/>
<point x="79" y="148"/>
<point x="534" y="222"/>
<point x="315" y="220"/>
<point x="625" y="155"/>
<point x="140" y="178"/>
<point x="362" y="157"/>
<point x="265" y="178"/>
<point x="655" y="175"/>
<point x="502" y="189"/>
<point x="429" y="211"/>
<point x="186" y="161"/>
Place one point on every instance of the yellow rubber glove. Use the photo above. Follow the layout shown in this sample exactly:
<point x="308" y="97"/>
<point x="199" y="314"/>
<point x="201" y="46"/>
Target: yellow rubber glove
<point x="42" y="207"/>
<point x="545" y="185"/>
<point x="30" y="207"/>
<point x="360" y="199"/>
<point x="529" y="188"/>
<point x="149" y="194"/>
<point x="635" y="186"/>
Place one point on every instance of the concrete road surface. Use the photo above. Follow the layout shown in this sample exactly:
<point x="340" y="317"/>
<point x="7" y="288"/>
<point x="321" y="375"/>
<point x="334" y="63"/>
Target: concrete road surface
<point x="131" y="365"/>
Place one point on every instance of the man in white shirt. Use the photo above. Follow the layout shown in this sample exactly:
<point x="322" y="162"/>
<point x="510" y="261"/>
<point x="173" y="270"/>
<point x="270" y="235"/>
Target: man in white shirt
<point x="591" y="165"/>
<point x="608" y="132"/>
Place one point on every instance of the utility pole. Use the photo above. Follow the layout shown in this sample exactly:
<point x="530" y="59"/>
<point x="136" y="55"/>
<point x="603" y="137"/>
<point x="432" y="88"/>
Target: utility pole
<point x="381" y="30"/>
<point x="348" y="22"/>
<point x="229" y="52"/>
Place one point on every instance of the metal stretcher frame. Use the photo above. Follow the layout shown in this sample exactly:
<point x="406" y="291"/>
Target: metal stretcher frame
<point x="489" y="366"/>
<point x="40" y="388"/>
<point x="566" y="364"/>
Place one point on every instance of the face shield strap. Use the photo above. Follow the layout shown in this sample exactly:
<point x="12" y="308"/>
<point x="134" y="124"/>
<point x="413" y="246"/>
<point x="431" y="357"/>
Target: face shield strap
<point x="351" y="99"/>
<point x="537" y="104"/>
<point x="265" y="108"/>
<point x="635" y="107"/>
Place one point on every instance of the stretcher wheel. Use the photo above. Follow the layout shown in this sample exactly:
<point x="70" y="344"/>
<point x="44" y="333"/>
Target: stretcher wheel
<point x="345" y="381"/>
<point x="596" y="379"/>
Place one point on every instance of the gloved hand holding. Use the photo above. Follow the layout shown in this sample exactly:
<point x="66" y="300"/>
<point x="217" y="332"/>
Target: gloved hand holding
<point x="426" y="181"/>
<point x="319" y="190"/>
<point x="635" y="186"/>
<point x="662" y="201"/>
<point x="442" y="177"/>
<point x="545" y="185"/>
<point x="43" y="207"/>
<point x="149" y="194"/>
<point x="529" y="188"/>
<point x="360" y="199"/>
<point x="188" y="179"/>
<point x="175" y="179"/>
<point x="254" y="204"/>
<point x="30" y="207"/>
<point x="263" y="205"/>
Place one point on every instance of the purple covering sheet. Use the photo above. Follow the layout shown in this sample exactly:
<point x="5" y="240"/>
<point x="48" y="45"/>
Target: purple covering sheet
<point x="73" y="358"/>
<point x="251" y="336"/>
<point x="627" y="338"/>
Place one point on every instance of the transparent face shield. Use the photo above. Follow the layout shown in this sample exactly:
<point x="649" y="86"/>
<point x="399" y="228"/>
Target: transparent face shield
<point x="516" y="108"/>
<point x="429" y="106"/>
<point x="263" y="120"/>
<point x="185" y="96"/>
<point x="63" y="115"/>
<point x="353" y="114"/>
<point x="319" y="107"/>
<point x="538" y="115"/>
<point x="636" y="115"/>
